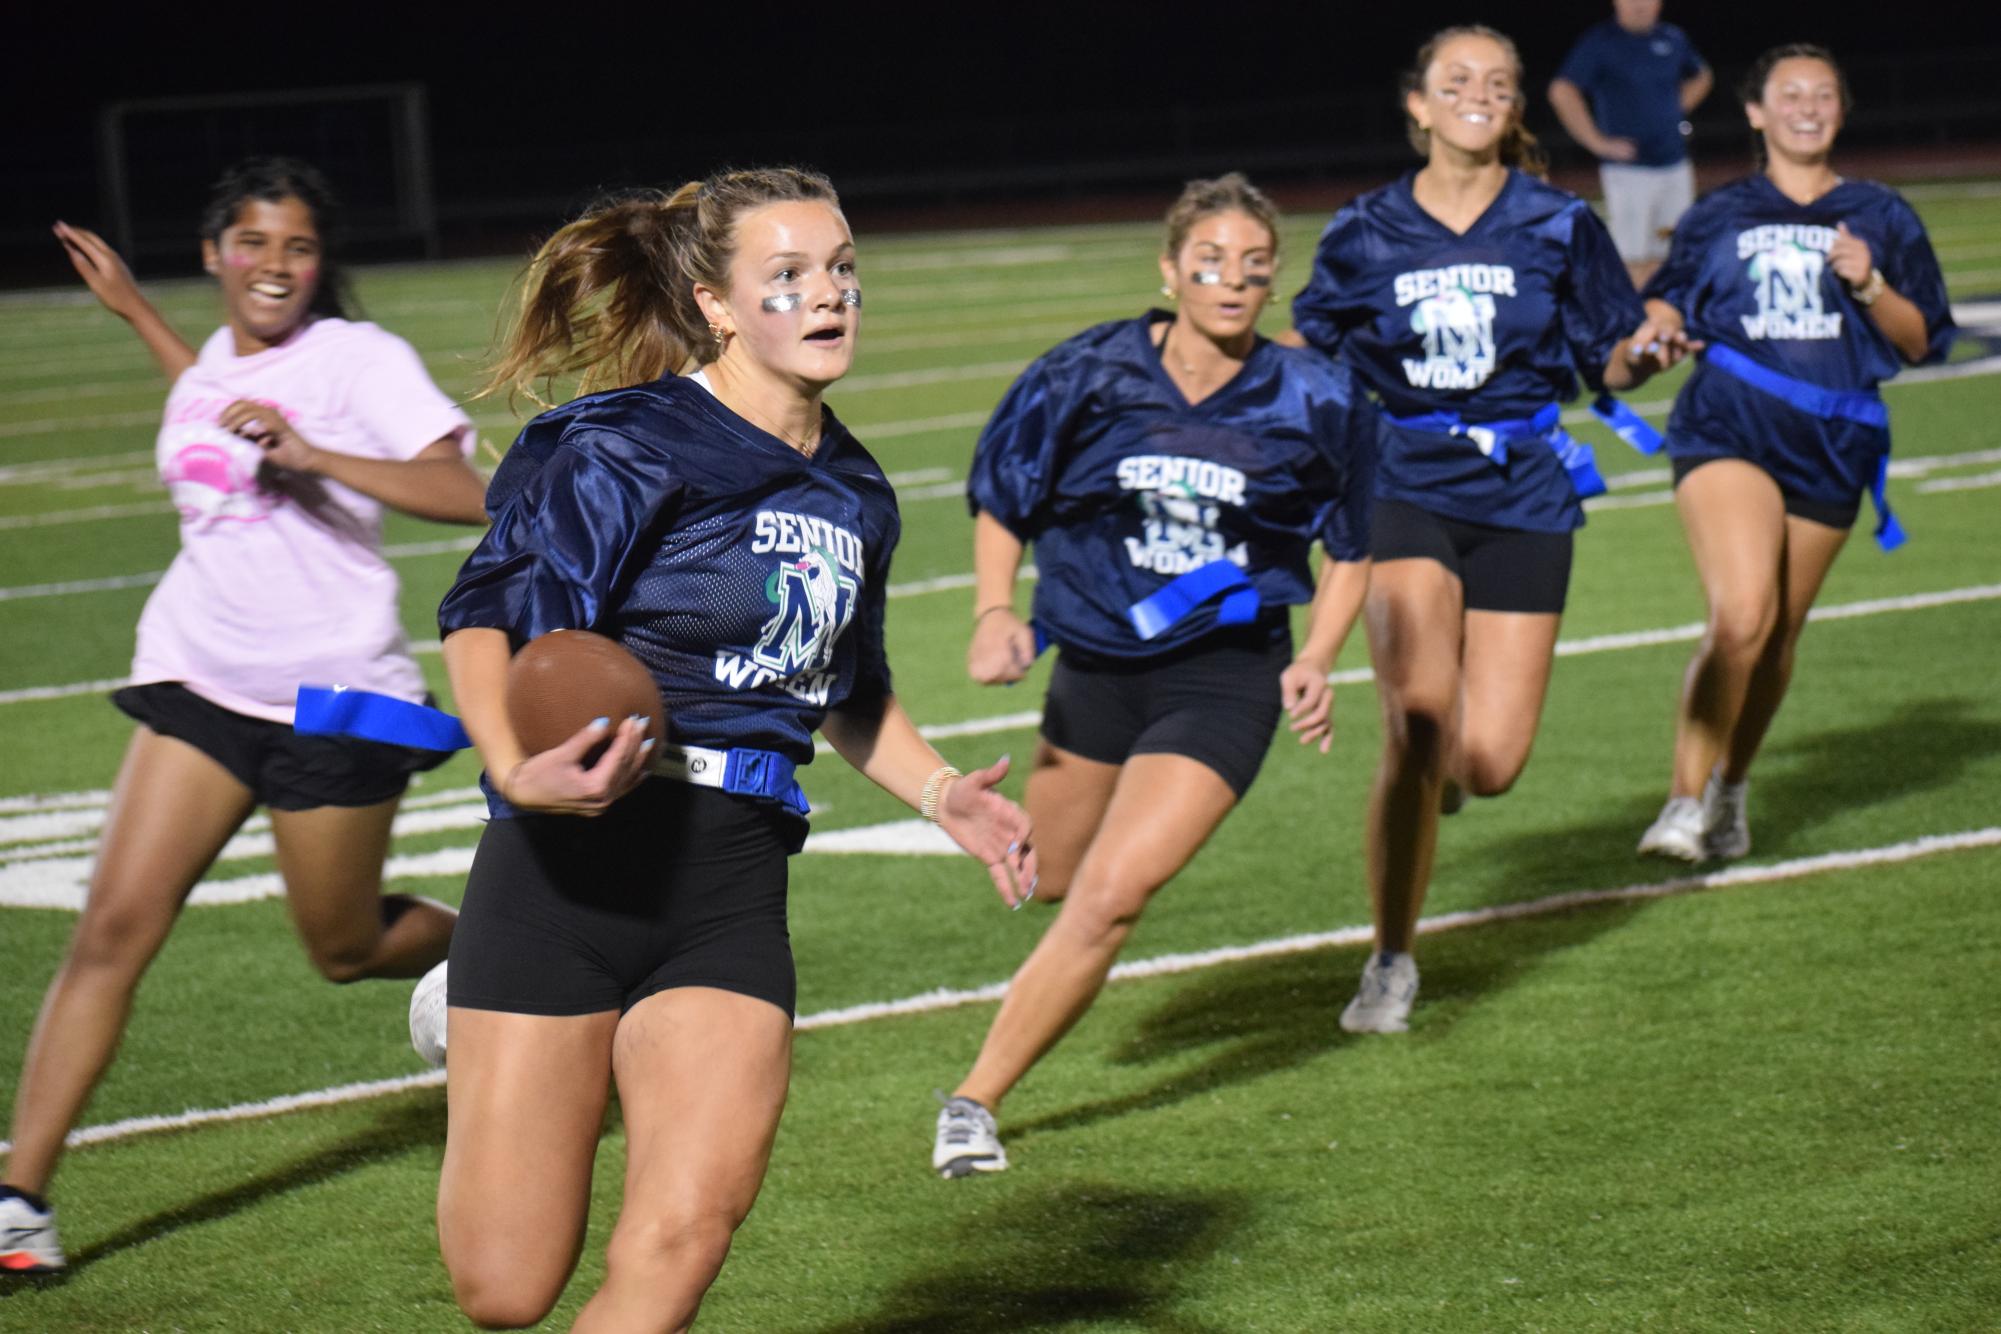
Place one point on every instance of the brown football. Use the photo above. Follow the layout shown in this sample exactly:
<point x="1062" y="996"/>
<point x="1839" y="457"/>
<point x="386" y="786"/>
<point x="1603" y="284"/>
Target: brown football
<point x="559" y="683"/>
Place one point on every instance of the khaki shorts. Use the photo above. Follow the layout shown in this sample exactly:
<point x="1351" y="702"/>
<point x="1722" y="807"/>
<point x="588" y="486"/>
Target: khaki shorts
<point x="1642" y="205"/>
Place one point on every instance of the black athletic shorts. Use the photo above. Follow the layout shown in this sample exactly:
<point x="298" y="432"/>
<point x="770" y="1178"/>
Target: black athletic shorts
<point x="1832" y="513"/>
<point x="1215" y="701"/>
<point x="674" y="886"/>
<point x="283" y="770"/>
<point x="1499" y="569"/>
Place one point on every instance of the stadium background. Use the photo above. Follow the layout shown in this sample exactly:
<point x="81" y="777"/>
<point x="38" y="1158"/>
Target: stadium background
<point x="1771" y="1106"/>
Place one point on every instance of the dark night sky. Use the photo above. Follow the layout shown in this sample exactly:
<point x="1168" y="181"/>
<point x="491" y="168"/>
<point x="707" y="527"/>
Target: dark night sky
<point x="557" y="98"/>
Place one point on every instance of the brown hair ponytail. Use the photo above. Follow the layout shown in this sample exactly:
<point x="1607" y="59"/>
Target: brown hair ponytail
<point x="1519" y="148"/>
<point x="610" y="298"/>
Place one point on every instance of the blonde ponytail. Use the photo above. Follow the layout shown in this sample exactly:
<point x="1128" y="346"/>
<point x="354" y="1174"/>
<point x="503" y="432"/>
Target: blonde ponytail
<point x="610" y="298"/>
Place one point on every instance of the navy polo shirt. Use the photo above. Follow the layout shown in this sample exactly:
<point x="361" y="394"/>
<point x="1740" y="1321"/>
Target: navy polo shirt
<point x="1633" y="81"/>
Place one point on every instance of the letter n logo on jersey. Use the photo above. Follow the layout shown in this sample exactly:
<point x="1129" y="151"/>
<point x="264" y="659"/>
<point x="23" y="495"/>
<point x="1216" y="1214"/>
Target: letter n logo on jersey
<point x="815" y="601"/>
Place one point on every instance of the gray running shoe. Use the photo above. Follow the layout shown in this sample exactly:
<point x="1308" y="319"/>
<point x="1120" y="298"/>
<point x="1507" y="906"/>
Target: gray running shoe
<point x="1382" y="1002"/>
<point x="967" y="1142"/>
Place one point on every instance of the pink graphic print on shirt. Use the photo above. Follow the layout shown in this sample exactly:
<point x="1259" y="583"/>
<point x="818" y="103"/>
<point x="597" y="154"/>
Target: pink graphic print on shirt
<point x="212" y="473"/>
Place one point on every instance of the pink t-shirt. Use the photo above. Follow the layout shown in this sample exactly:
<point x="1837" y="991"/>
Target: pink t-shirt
<point x="280" y="578"/>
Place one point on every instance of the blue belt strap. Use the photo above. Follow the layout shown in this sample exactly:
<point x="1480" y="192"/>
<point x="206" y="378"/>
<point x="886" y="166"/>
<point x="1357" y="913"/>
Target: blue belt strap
<point x="763" y="773"/>
<point x="339" y="711"/>
<point x="1153" y="614"/>
<point x="1493" y="438"/>
<point x="1864" y="407"/>
<point x="1627" y="424"/>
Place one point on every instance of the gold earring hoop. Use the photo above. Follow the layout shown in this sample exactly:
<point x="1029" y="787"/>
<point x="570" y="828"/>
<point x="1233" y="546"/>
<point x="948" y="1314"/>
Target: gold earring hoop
<point x="1169" y="292"/>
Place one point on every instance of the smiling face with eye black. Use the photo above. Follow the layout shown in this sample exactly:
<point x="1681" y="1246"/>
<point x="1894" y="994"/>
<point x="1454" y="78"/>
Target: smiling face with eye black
<point x="1471" y="95"/>
<point x="794" y="304"/>
<point x="1223" y="274"/>
<point x="1801" y="110"/>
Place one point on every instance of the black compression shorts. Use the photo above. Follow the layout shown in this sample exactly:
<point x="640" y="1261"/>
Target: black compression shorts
<point x="674" y="886"/>
<point x="1499" y="569"/>
<point x="1215" y="701"/>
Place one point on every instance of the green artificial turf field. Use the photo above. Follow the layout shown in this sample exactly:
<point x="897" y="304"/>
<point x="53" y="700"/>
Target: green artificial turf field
<point x="1770" y="1105"/>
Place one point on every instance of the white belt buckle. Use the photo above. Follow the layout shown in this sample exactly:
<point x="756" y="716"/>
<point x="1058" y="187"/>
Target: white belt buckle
<point x="698" y="765"/>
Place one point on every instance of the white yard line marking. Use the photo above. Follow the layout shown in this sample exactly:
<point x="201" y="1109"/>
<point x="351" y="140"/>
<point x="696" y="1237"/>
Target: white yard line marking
<point x="1977" y="482"/>
<point x="1164" y="965"/>
<point x="56" y="874"/>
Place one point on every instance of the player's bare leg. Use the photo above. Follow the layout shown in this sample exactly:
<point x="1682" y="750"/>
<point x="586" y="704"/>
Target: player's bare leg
<point x="526" y="1095"/>
<point x="1066" y="798"/>
<point x="1735" y="520"/>
<point x="1416" y="629"/>
<point x="1162" y="811"/>
<point x="1503" y="683"/>
<point x="1810" y="551"/>
<point x="702" y="1076"/>
<point x="331" y="860"/>
<point x="172" y="809"/>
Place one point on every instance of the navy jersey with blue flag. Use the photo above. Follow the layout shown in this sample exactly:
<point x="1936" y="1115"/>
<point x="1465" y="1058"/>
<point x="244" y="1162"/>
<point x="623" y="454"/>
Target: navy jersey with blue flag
<point x="1096" y="457"/>
<point x="1493" y="324"/>
<point x="1748" y="271"/>
<point x="748" y="578"/>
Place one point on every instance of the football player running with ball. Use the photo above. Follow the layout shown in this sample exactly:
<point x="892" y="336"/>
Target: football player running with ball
<point x="707" y="511"/>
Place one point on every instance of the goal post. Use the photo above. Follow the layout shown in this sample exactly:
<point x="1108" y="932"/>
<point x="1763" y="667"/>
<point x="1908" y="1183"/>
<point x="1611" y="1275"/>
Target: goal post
<point x="157" y="157"/>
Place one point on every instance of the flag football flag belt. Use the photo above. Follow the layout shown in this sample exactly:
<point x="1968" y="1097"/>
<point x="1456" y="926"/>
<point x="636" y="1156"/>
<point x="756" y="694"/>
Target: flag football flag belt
<point x="1865" y="407"/>
<point x="339" y="711"/>
<point x="747" y="772"/>
<point x="1154" y="614"/>
<point x="1493" y="439"/>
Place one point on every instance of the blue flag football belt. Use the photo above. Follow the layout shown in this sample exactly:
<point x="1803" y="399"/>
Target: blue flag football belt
<point x="339" y="711"/>
<point x="1865" y="407"/>
<point x="747" y="772"/>
<point x="1155" y="613"/>
<point x="1493" y="439"/>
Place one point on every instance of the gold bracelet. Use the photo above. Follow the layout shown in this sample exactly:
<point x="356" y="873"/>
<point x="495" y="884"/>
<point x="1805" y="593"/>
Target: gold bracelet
<point x="979" y="616"/>
<point x="934" y="788"/>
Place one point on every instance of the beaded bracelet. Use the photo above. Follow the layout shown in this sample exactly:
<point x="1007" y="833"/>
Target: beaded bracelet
<point x="934" y="788"/>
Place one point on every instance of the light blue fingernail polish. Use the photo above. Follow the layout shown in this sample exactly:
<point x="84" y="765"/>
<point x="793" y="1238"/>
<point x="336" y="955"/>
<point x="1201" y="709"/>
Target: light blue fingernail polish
<point x="600" y="722"/>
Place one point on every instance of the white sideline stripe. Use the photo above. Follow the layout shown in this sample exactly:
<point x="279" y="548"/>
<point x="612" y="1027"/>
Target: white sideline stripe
<point x="1978" y="482"/>
<point x="93" y="513"/>
<point x="41" y="472"/>
<point x="28" y="693"/>
<point x="1164" y="965"/>
<point x="1919" y="466"/>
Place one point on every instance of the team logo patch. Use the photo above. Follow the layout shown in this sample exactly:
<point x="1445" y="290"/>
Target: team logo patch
<point x="1785" y="265"/>
<point x="1453" y="310"/>
<point x="813" y="588"/>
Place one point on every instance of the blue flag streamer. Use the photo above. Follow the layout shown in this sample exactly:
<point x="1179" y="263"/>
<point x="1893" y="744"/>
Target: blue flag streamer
<point x="339" y="711"/>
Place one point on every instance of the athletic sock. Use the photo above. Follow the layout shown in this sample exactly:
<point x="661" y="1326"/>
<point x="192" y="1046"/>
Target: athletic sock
<point x="36" y="1202"/>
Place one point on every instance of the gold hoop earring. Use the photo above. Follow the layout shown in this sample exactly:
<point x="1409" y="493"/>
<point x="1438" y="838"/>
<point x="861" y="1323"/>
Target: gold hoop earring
<point x="1169" y="292"/>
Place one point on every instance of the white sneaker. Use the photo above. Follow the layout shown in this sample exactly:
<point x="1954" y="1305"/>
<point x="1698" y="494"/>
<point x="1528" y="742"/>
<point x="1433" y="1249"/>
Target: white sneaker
<point x="28" y="1242"/>
<point x="967" y="1142"/>
<point x="427" y="1017"/>
<point x="1677" y="831"/>
<point x="1726" y="829"/>
<point x="1382" y="1003"/>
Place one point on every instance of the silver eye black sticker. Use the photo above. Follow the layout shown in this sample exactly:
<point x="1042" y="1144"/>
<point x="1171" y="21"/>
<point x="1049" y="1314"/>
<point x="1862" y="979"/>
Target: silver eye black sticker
<point x="1205" y="277"/>
<point x="779" y="305"/>
<point x="851" y="296"/>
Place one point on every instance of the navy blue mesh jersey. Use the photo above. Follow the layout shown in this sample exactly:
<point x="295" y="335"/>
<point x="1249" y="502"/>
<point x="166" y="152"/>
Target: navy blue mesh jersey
<point x="1748" y="270"/>
<point x="1096" y="458"/>
<point x="1493" y="324"/>
<point x="747" y="577"/>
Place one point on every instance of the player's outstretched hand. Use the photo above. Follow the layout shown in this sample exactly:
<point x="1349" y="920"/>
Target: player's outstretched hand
<point x="992" y="829"/>
<point x="556" y="781"/>
<point x="1003" y="648"/>
<point x="1656" y="345"/>
<point x="101" y="270"/>
<point x="1303" y="689"/>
